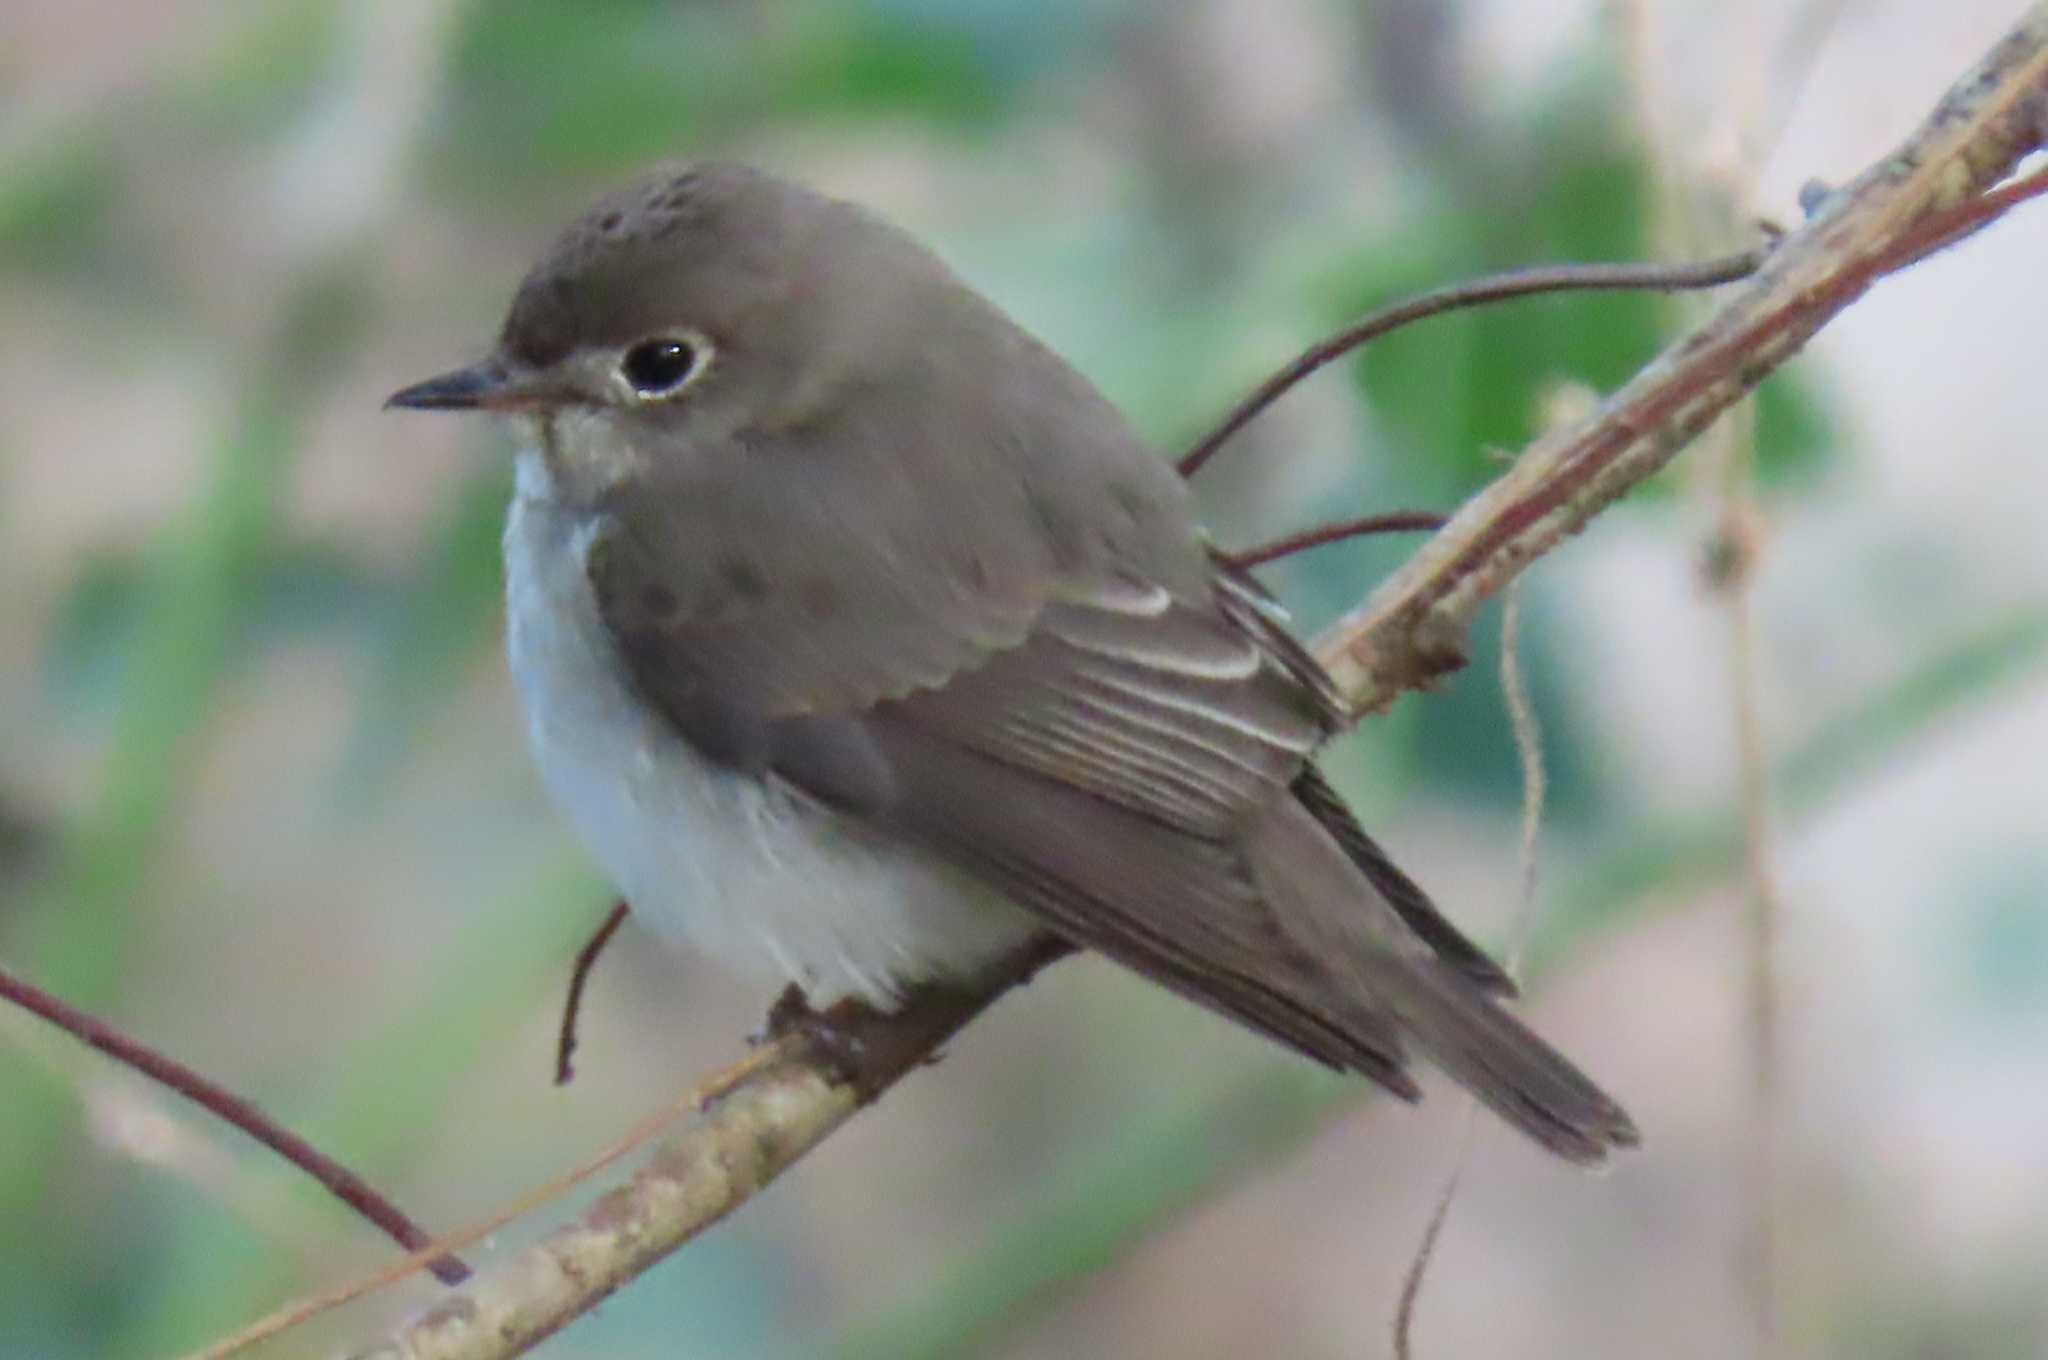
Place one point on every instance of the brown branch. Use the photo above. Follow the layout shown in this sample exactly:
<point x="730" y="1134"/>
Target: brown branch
<point x="778" y="1113"/>
<point x="700" y="1098"/>
<point x="1924" y="195"/>
<point x="572" y="1007"/>
<point x="1921" y="198"/>
<point x="1490" y="288"/>
<point x="342" y="1183"/>
<point x="1393" y="522"/>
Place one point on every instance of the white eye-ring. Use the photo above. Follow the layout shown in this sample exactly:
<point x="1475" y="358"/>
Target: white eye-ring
<point x="658" y="368"/>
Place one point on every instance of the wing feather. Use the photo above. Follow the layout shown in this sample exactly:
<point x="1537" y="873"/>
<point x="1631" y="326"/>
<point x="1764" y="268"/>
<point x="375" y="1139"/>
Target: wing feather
<point x="1122" y="772"/>
<point x="1179" y="714"/>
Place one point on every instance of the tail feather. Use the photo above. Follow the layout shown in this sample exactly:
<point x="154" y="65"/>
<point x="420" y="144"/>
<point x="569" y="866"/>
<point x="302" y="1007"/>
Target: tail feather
<point x="1370" y="966"/>
<point x="1491" y="1054"/>
<point x="1408" y="901"/>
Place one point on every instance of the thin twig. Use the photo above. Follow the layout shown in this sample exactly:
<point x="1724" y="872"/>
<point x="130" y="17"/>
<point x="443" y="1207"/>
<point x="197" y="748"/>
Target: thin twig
<point x="1761" y="950"/>
<point x="1736" y="555"/>
<point x="586" y="958"/>
<point x="342" y="1183"/>
<point x="779" y="1101"/>
<point x="1968" y="218"/>
<point x="1528" y="735"/>
<point x="696" y="1099"/>
<point x="1727" y="462"/>
<point x="1432" y="1232"/>
<point x="388" y="62"/>
<point x="1734" y="564"/>
<point x="1921" y="199"/>
<point x="1393" y="522"/>
<point x="1490" y="288"/>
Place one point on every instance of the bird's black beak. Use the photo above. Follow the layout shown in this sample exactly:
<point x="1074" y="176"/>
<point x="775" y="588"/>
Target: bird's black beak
<point x="486" y="386"/>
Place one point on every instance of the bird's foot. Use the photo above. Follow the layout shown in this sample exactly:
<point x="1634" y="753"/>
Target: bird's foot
<point x="837" y="1036"/>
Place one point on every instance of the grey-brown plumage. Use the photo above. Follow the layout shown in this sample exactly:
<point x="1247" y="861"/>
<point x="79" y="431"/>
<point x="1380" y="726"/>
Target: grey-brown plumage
<point x="833" y="595"/>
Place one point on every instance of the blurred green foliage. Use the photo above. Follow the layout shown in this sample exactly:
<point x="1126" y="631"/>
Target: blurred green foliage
<point x="2003" y="971"/>
<point x="437" y="627"/>
<point x="1459" y="391"/>
<point x="89" y="926"/>
<point x="261" y="73"/>
<point x="53" y="208"/>
<point x="560" y="86"/>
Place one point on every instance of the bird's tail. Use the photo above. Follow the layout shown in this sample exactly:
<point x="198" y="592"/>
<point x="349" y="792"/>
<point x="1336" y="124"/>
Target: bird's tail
<point x="1491" y="1054"/>
<point x="1371" y="975"/>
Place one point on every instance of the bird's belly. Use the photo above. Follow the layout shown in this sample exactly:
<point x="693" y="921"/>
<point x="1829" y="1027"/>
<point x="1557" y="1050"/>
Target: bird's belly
<point x="739" y="866"/>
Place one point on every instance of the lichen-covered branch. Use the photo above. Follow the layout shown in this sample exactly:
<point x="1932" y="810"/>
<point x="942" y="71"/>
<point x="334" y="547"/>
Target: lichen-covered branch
<point x="829" y="1069"/>
<point x="1928" y="192"/>
<point x="1920" y="197"/>
<point x="690" y="1183"/>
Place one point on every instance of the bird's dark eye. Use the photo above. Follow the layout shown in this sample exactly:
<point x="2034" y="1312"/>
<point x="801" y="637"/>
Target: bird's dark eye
<point x="657" y="367"/>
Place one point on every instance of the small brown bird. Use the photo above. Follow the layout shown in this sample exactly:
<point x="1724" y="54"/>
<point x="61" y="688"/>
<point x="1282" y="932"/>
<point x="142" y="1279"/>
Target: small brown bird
<point x="863" y="641"/>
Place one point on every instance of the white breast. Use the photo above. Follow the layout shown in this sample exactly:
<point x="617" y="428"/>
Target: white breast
<point x="736" y="865"/>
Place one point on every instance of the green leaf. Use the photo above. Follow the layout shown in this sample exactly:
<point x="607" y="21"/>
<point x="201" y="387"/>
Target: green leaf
<point x="87" y="925"/>
<point x="1459" y="388"/>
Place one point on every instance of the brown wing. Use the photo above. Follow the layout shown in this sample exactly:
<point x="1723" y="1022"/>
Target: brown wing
<point x="1129" y="770"/>
<point x="1248" y="604"/>
<point x="1401" y="892"/>
<point x="1134" y="771"/>
<point x="1096" y="769"/>
<point x="1160" y="706"/>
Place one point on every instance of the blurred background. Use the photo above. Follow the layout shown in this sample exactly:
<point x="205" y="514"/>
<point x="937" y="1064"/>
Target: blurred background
<point x="263" y="796"/>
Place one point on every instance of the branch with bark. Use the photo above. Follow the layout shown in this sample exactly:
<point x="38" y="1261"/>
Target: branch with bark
<point x="1935" y="188"/>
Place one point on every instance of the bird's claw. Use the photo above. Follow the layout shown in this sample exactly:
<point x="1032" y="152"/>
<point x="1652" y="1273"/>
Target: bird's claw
<point x="833" y="1035"/>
